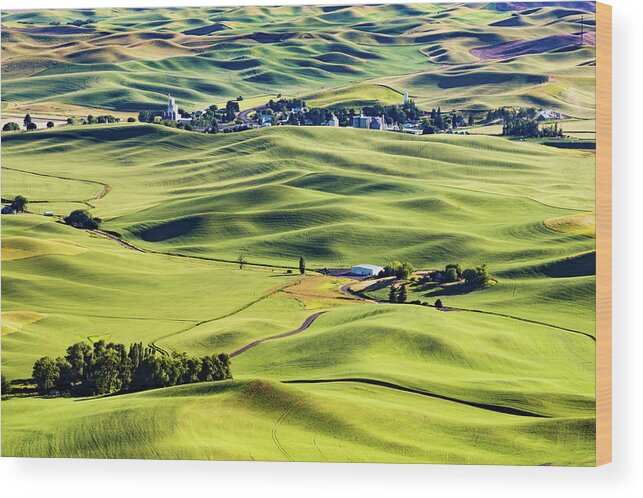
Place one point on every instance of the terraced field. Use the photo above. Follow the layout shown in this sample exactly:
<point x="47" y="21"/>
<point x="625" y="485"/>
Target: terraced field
<point x="505" y="377"/>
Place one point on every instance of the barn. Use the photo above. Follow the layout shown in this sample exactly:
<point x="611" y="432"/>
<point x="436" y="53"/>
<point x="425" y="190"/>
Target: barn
<point x="366" y="270"/>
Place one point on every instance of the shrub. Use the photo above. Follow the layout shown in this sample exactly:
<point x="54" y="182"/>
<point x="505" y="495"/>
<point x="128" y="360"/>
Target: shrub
<point x="131" y="120"/>
<point x="5" y="387"/>
<point x="31" y="126"/>
<point x="451" y="275"/>
<point x="11" y="126"/>
<point x="438" y="303"/>
<point x="19" y="204"/>
<point x="50" y="124"/>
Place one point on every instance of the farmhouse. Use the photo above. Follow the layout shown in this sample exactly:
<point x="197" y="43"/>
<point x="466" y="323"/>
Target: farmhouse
<point x="366" y="270"/>
<point x="547" y="114"/>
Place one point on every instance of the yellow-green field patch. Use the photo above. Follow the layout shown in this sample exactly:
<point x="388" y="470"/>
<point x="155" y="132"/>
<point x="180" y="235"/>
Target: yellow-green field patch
<point x="18" y="247"/>
<point x="318" y="292"/>
<point x="13" y="321"/>
<point x="578" y="224"/>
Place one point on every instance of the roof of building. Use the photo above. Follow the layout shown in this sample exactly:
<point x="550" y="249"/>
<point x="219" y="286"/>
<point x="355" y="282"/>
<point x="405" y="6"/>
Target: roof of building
<point x="369" y="267"/>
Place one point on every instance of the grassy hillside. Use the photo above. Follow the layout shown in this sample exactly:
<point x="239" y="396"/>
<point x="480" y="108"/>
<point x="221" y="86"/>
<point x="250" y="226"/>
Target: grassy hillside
<point x="127" y="60"/>
<point x="504" y="375"/>
<point x="337" y="197"/>
<point x="263" y="420"/>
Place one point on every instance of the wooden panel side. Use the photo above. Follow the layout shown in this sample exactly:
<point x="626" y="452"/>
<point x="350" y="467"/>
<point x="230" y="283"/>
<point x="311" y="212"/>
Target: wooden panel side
<point x="603" y="234"/>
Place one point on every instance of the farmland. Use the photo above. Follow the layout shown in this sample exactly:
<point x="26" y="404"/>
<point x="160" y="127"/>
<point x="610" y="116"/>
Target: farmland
<point x="505" y="377"/>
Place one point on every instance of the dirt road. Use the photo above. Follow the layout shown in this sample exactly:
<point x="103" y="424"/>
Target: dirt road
<point x="307" y="323"/>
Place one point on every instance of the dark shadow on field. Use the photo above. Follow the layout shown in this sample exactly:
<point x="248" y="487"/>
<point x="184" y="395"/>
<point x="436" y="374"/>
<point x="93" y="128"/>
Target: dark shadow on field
<point x="458" y="289"/>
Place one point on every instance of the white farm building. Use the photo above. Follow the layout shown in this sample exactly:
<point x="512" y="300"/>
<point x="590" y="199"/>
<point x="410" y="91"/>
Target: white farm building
<point x="366" y="270"/>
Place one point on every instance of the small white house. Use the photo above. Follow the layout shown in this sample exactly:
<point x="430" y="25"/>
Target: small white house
<point x="366" y="270"/>
<point x="48" y="213"/>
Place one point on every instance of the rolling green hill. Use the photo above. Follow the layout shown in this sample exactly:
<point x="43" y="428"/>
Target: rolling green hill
<point x="339" y="197"/>
<point x="502" y="375"/>
<point x="127" y="60"/>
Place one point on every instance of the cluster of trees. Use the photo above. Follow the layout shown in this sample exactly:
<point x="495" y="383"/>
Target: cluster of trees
<point x="207" y="120"/>
<point x="506" y="114"/>
<point x="19" y="204"/>
<point x="81" y="218"/>
<point x="477" y="277"/>
<point x="438" y="121"/>
<point x="520" y="127"/>
<point x="81" y="22"/>
<point x="312" y="116"/>
<point x="285" y="105"/>
<point x="233" y="129"/>
<point x="105" y="368"/>
<point x="394" y="114"/>
<point x="397" y="269"/>
<point x="396" y="295"/>
<point x="28" y="124"/>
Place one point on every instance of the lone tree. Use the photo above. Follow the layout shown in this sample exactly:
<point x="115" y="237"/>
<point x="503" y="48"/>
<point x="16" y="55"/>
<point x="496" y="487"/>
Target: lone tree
<point x="19" y="204"/>
<point x="401" y="296"/>
<point x="241" y="261"/>
<point x="81" y="218"/>
<point x="27" y="121"/>
<point x="50" y="124"/>
<point x="302" y="265"/>
<point x="45" y="374"/>
<point x="392" y="295"/>
<point x="438" y="303"/>
<point x="11" y="126"/>
<point x="32" y="126"/>
<point x="6" y="386"/>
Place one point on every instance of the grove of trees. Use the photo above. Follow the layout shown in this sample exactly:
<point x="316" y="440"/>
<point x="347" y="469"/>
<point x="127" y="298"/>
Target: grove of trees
<point x="397" y="269"/>
<point x="106" y="368"/>
<point x="81" y="218"/>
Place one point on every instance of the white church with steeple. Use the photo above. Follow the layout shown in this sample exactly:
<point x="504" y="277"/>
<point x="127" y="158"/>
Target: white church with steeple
<point x="172" y="112"/>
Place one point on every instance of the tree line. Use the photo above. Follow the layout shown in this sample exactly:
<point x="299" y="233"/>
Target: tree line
<point x="520" y="127"/>
<point x="107" y="368"/>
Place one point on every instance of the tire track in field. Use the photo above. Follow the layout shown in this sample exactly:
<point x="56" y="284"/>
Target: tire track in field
<point x="279" y="422"/>
<point x="105" y="187"/>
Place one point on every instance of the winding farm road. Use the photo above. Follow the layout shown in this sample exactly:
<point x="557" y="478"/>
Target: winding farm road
<point x="307" y="323"/>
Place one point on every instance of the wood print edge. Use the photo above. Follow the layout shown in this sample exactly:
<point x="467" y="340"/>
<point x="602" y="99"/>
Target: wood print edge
<point x="603" y="234"/>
